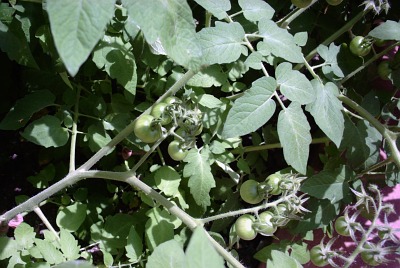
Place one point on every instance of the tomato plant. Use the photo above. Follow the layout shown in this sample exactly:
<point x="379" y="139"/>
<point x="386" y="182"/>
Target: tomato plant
<point x="360" y="46"/>
<point x="244" y="227"/>
<point x="370" y="254"/>
<point x="147" y="129"/>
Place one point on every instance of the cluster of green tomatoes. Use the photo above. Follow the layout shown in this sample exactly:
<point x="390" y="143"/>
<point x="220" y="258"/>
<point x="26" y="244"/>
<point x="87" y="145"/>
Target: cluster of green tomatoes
<point x="247" y="226"/>
<point x="171" y="112"/>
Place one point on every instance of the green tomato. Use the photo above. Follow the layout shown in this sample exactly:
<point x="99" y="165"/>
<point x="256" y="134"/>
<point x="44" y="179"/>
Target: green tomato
<point x="244" y="227"/>
<point x="160" y="111"/>
<point x="176" y="151"/>
<point x="301" y="3"/>
<point x="317" y="257"/>
<point x="65" y="200"/>
<point x="146" y="130"/>
<point x="342" y="227"/>
<point x="274" y="181"/>
<point x="171" y="100"/>
<point x="359" y="46"/>
<point x="264" y="226"/>
<point x="249" y="192"/>
<point x="369" y="255"/>
<point x="380" y="42"/>
<point x="334" y="2"/>
<point x="384" y="70"/>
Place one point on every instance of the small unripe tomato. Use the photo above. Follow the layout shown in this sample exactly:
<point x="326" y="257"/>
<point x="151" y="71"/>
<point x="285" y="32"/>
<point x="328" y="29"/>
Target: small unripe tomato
<point x="264" y="226"/>
<point x="244" y="227"/>
<point x="317" y="257"/>
<point x="359" y="46"/>
<point x="301" y="3"/>
<point x="384" y="70"/>
<point x="176" y="151"/>
<point x="171" y="100"/>
<point x="160" y="111"/>
<point x="274" y="181"/>
<point x="334" y="2"/>
<point x="146" y="130"/>
<point x="370" y="254"/>
<point x="249" y="192"/>
<point x="342" y="227"/>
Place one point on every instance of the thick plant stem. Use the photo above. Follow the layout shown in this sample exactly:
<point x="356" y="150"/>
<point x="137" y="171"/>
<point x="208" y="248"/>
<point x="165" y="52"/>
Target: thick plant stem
<point x="171" y="207"/>
<point x="386" y="133"/>
<point x="74" y="132"/>
<point x="284" y="23"/>
<point x="78" y="174"/>
<point x="46" y="222"/>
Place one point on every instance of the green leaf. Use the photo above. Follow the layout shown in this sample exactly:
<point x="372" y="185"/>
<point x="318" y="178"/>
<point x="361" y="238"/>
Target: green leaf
<point x="118" y="61"/>
<point x="294" y="136"/>
<point x="252" y="110"/>
<point x="42" y="179"/>
<point x="209" y="101"/>
<point x="75" y="264"/>
<point x="71" y="217"/>
<point x="222" y="43"/>
<point x="47" y="132"/>
<point x="116" y="229"/>
<point x="24" y="235"/>
<point x="328" y="184"/>
<point x="208" y="77"/>
<point x="279" y="41"/>
<point x="14" y="42"/>
<point x="300" y="252"/>
<point x="294" y="85"/>
<point x="255" y="10"/>
<point x="201" y="253"/>
<point x="329" y="54"/>
<point x="254" y="60"/>
<point x="216" y="7"/>
<point x="282" y="260"/>
<point x="69" y="245"/>
<point x="322" y="213"/>
<point x="49" y="252"/>
<point x="158" y="229"/>
<point x="389" y="30"/>
<point x="327" y="110"/>
<point x="24" y="108"/>
<point x="201" y="179"/>
<point x="76" y="27"/>
<point x="8" y="247"/>
<point x="170" y="23"/>
<point x="134" y="246"/>
<point x="362" y="143"/>
<point x="392" y="175"/>
<point x="167" y="180"/>
<point x="98" y="137"/>
<point x="167" y="255"/>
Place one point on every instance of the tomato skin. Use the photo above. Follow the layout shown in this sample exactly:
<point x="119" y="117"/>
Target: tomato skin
<point x="249" y="192"/>
<point x="359" y="46"/>
<point x="160" y="111"/>
<point x="317" y="256"/>
<point x="244" y="227"/>
<point x="171" y="100"/>
<point x="273" y="181"/>
<point x="265" y="227"/>
<point x="301" y="3"/>
<point x="342" y="227"/>
<point x="145" y="130"/>
<point x="384" y="70"/>
<point x="334" y="2"/>
<point x="176" y="152"/>
<point x="369" y="256"/>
